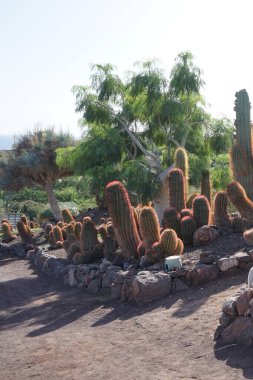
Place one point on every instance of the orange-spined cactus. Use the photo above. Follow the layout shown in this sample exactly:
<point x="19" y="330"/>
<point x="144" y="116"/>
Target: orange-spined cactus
<point x="239" y="199"/>
<point x="149" y="226"/>
<point x="123" y="220"/>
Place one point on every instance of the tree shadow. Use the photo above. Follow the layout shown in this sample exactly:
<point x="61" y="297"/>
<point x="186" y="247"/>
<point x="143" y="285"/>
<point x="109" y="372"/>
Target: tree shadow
<point x="46" y="303"/>
<point x="236" y="356"/>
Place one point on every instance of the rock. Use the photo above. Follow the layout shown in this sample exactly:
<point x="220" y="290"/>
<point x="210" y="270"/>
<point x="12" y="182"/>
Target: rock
<point x="205" y="235"/>
<point x="242" y="257"/>
<point x="116" y="277"/>
<point x="115" y="291"/>
<point x="206" y="258"/>
<point x="18" y="249"/>
<point x="4" y="249"/>
<point x="144" y="263"/>
<point x="239" y="331"/>
<point x="179" y="284"/>
<point x="229" y="307"/>
<point x="226" y="320"/>
<point x="243" y="302"/>
<point x="94" y="286"/>
<point x="226" y="263"/>
<point x="104" y="265"/>
<point x="250" y="253"/>
<point x="92" y="274"/>
<point x="147" y="286"/>
<point x="201" y="274"/>
<point x="250" y="278"/>
<point x="178" y="272"/>
<point x="72" y="281"/>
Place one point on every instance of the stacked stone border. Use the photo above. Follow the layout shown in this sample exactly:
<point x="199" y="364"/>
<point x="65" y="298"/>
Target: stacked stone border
<point x="130" y="283"/>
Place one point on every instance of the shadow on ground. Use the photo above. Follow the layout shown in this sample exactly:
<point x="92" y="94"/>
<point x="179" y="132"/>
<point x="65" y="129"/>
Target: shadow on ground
<point x="42" y="300"/>
<point x="236" y="356"/>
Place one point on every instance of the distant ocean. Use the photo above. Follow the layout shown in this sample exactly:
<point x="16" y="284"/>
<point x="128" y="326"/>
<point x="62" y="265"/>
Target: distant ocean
<point x="6" y="141"/>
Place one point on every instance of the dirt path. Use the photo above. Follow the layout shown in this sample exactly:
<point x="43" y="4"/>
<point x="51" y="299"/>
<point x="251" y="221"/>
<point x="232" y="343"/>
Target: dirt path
<point x="50" y="331"/>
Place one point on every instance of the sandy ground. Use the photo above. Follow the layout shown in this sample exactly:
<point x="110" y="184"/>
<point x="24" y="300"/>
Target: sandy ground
<point x="50" y="331"/>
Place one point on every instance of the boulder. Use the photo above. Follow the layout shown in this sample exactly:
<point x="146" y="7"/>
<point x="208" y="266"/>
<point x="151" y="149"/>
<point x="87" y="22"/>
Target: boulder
<point x="205" y="235"/>
<point x="206" y="258"/>
<point x="243" y="302"/>
<point x="239" y="331"/>
<point x="94" y="286"/>
<point x="226" y="263"/>
<point x="147" y="286"/>
<point x="201" y="274"/>
<point x="229" y="307"/>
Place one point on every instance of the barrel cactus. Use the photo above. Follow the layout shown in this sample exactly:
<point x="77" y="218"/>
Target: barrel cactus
<point x="201" y="211"/>
<point x="149" y="226"/>
<point x="123" y="220"/>
<point x="221" y="217"/>
<point x="171" y="219"/>
<point x="188" y="227"/>
<point x="177" y="194"/>
<point x="239" y="199"/>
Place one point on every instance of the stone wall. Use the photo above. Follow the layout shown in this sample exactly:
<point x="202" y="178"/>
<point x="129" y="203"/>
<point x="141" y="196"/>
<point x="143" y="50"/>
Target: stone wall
<point x="130" y="283"/>
<point x="236" y="321"/>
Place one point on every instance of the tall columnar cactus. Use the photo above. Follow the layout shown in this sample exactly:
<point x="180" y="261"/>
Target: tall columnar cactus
<point x="24" y="219"/>
<point x="188" y="227"/>
<point x="181" y="162"/>
<point x="171" y="219"/>
<point x="57" y="232"/>
<point x="177" y="195"/>
<point x="123" y="219"/>
<point x="239" y="199"/>
<point x="77" y="228"/>
<point x="201" y="211"/>
<point x="190" y="200"/>
<point x="24" y="233"/>
<point x="241" y="157"/>
<point x="67" y="216"/>
<point x="206" y="187"/>
<point x="88" y="237"/>
<point x="149" y="226"/>
<point x="221" y="217"/>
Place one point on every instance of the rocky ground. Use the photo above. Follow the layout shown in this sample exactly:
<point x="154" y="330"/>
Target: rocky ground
<point x="51" y="331"/>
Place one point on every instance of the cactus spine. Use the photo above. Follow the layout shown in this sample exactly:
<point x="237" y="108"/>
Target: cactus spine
<point x="169" y="242"/>
<point x="181" y="162"/>
<point x="177" y="195"/>
<point x="201" y="210"/>
<point x="124" y="224"/>
<point x="206" y="187"/>
<point x="188" y="227"/>
<point x="7" y="234"/>
<point x="171" y="219"/>
<point x="221" y="217"/>
<point x="149" y="226"/>
<point x="239" y="199"/>
<point x="67" y="216"/>
<point x="24" y="232"/>
<point x="241" y="158"/>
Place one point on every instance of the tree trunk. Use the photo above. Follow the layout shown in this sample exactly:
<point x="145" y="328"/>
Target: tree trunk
<point x="162" y="201"/>
<point x="53" y="201"/>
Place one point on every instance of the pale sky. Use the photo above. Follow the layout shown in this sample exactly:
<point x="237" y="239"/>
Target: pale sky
<point x="47" y="46"/>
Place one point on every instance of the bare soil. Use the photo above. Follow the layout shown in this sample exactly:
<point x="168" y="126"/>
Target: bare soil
<point x="51" y="331"/>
